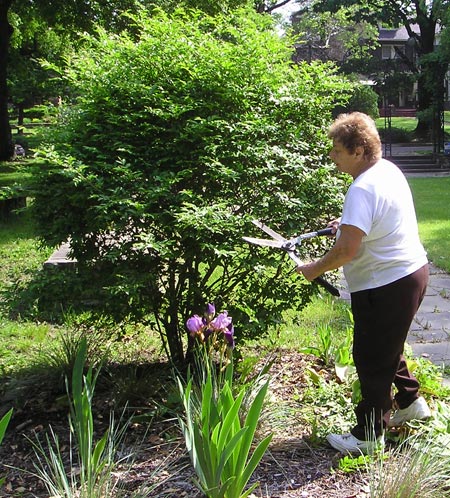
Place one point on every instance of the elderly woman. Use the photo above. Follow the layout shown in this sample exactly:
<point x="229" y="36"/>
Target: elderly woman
<point x="386" y="270"/>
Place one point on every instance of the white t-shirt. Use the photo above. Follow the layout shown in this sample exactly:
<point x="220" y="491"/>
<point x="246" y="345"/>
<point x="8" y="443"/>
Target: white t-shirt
<point x="379" y="202"/>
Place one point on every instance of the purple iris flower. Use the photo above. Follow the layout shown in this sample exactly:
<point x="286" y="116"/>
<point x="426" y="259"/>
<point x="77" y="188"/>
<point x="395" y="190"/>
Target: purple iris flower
<point x="221" y="322"/>
<point x="228" y="333"/>
<point x="210" y="312"/>
<point x="203" y="327"/>
<point x="207" y="332"/>
<point x="194" y="324"/>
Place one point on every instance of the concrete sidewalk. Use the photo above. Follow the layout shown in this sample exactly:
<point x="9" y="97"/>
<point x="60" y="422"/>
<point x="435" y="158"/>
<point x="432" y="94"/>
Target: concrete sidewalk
<point x="409" y="149"/>
<point x="429" y="335"/>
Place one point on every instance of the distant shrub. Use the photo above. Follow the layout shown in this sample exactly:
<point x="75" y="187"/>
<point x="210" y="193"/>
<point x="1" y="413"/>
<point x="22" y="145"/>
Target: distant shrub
<point x="363" y="99"/>
<point x="396" y="135"/>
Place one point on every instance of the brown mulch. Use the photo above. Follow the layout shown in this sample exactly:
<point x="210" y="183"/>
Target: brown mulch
<point x="292" y="468"/>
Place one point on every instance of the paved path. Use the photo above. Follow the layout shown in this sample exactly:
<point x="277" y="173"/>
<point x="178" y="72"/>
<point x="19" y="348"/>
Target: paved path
<point x="429" y="335"/>
<point x="410" y="149"/>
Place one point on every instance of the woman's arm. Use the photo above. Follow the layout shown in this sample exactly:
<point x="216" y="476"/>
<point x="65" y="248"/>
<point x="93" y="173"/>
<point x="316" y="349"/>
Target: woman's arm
<point x="343" y="251"/>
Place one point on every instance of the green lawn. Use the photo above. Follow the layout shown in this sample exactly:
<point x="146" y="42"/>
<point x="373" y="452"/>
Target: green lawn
<point x="432" y="200"/>
<point x="406" y="124"/>
<point x="409" y="124"/>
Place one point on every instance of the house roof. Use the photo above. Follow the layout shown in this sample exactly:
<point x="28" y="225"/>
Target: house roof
<point x="396" y="34"/>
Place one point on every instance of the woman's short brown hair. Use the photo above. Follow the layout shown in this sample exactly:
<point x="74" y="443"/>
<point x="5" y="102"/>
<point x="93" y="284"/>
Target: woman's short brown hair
<point x="356" y="129"/>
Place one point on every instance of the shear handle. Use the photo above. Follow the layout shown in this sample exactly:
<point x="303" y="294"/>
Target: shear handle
<point x="327" y="286"/>
<point x="325" y="231"/>
<point x="290" y="244"/>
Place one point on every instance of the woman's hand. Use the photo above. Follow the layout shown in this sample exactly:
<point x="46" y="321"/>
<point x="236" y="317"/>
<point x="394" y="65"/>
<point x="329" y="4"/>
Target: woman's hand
<point x="308" y="270"/>
<point x="334" y="225"/>
<point x="343" y="251"/>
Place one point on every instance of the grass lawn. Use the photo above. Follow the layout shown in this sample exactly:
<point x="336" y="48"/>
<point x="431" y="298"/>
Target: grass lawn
<point x="431" y="197"/>
<point x="408" y="125"/>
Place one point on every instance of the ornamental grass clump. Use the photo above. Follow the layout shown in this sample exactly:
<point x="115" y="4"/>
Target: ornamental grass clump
<point x="88" y="473"/>
<point x="419" y="466"/>
<point x="217" y="429"/>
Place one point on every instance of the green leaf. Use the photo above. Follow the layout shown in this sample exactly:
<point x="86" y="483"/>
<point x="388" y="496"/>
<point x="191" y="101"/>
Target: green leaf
<point x="251" y="421"/>
<point x="207" y="401"/>
<point x="207" y="471"/>
<point x="226" y="453"/>
<point x="254" y="461"/>
<point x="231" y="421"/>
<point x="4" y="424"/>
<point x="249" y="491"/>
<point x="98" y="453"/>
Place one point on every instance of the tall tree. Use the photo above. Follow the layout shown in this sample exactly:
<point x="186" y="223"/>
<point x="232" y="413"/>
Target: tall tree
<point x="71" y="16"/>
<point x="30" y="81"/>
<point x="268" y="6"/>
<point x="333" y="36"/>
<point x="6" y="142"/>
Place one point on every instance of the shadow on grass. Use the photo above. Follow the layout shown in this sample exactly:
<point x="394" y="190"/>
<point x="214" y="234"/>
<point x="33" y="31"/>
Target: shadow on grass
<point x="18" y="226"/>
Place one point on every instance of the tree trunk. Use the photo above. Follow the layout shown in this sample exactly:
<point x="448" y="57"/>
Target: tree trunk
<point x="6" y="142"/>
<point x="174" y="341"/>
<point x="427" y="26"/>
<point x="20" y="114"/>
<point x="424" y="102"/>
<point x="173" y="333"/>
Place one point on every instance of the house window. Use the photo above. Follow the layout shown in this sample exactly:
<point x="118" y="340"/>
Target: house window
<point x="392" y="51"/>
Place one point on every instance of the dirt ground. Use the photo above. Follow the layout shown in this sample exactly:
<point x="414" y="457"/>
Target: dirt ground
<point x="292" y="468"/>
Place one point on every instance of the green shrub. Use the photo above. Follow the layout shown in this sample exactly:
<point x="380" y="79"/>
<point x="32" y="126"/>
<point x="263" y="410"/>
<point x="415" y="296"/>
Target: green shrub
<point x="363" y="99"/>
<point x="396" y="135"/>
<point x="178" y="139"/>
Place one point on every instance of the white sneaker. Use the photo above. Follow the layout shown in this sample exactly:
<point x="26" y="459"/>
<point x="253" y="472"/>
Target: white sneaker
<point x="417" y="410"/>
<point x="348" y="443"/>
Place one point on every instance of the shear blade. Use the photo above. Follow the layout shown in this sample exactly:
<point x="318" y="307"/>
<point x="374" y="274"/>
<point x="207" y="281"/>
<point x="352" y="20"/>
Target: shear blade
<point x="295" y="258"/>
<point x="268" y="230"/>
<point x="264" y="242"/>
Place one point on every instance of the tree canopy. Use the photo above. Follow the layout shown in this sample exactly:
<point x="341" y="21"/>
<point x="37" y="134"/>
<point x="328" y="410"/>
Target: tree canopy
<point x="423" y="22"/>
<point x="43" y="29"/>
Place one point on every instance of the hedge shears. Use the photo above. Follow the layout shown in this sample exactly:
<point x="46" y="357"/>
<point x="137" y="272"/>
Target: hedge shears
<point x="290" y="246"/>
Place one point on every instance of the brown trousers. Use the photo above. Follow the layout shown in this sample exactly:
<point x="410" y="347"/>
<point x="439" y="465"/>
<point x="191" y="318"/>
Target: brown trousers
<point x="382" y="318"/>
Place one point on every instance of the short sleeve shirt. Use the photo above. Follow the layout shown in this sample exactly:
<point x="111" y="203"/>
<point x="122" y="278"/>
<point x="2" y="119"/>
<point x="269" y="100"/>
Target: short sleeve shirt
<point x="379" y="202"/>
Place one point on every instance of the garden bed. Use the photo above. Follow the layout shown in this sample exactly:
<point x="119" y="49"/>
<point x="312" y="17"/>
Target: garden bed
<point x="294" y="466"/>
